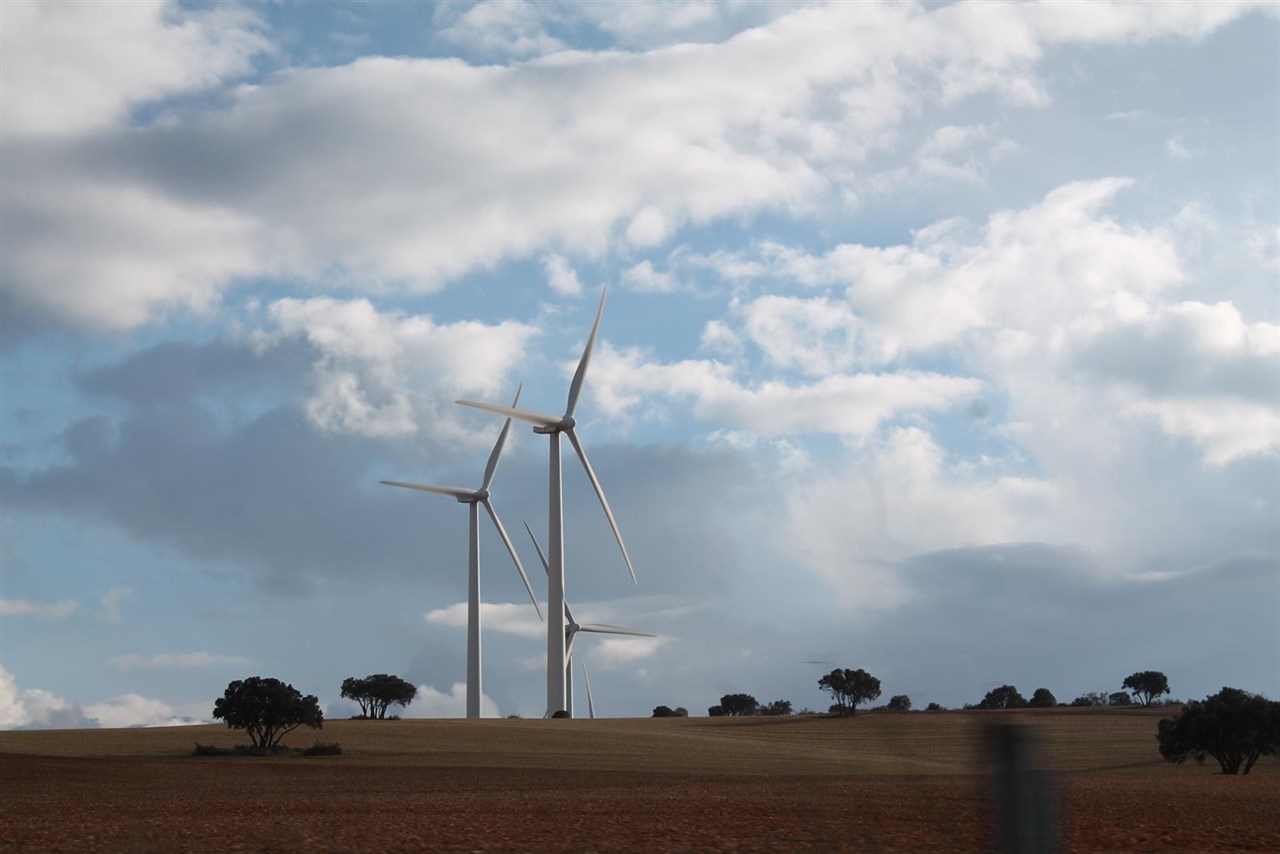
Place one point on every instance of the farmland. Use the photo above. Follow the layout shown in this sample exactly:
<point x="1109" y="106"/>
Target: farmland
<point x="872" y="782"/>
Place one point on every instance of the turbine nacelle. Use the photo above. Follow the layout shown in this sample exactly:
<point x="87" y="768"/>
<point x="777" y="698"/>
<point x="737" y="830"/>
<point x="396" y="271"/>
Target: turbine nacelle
<point x="564" y="425"/>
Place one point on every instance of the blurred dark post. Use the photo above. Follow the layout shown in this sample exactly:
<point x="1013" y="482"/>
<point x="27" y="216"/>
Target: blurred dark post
<point x="1023" y="791"/>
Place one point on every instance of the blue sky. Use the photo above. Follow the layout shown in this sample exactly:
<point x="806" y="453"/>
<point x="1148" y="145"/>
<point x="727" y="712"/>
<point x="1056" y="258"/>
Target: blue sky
<point x="941" y="340"/>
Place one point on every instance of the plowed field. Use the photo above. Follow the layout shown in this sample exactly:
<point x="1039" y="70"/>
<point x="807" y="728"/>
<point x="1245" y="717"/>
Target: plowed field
<point x="912" y="782"/>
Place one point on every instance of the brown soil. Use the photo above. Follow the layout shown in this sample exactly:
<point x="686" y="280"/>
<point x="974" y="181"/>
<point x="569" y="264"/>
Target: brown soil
<point x="373" y="799"/>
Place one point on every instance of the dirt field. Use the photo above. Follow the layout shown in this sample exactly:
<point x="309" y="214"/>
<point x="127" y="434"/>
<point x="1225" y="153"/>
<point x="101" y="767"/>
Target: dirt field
<point x="911" y="782"/>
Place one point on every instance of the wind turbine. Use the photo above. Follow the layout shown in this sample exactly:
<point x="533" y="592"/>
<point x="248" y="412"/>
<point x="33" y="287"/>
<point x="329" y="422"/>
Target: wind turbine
<point x="571" y="629"/>
<point x="591" y="703"/>
<point x="552" y="426"/>
<point x="473" y="498"/>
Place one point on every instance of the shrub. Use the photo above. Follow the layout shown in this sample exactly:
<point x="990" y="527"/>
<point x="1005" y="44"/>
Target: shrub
<point x="323" y="749"/>
<point x="210" y="750"/>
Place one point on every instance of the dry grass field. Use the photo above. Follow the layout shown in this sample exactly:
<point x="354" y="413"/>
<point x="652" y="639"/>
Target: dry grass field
<point x="884" y="782"/>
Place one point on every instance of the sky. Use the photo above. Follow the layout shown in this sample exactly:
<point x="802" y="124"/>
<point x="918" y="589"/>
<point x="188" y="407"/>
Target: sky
<point x="940" y="340"/>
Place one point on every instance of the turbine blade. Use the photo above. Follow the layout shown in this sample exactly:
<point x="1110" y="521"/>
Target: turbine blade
<point x="537" y="419"/>
<point x="606" y="629"/>
<point x="575" y="388"/>
<point x="542" y="557"/>
<point x="604" y="502"/>
<point x="538" y="546"/>
<point x="455" y="491"/>
<point x="591" y="703"/>
<point x="497" y="523"/>
<point x="497" y="449"/>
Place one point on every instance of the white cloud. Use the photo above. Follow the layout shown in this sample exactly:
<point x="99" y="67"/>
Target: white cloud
<point x="509" y="618"/>
<point x="1225" y="430"/>
<point x="34" y="708"/>
<point x="182" y="660"/>
<point x="854" y="405"/>
<point x="561" y="277"/>
<point x="1177" y="148"/>
<point x="74" y="66"/>
<point x="386" y="374"/>
<point x="612" y="651"/>
<point x="431" y="703"/>
<point x="39" y="610"/>
<point x="853" y="525"/>
<point x="133" y="710"/>
<point x="572" y="151"/>
<point x="500" y="28"/>
<point x="644" y="278"/>
<point x="113" y="602"/>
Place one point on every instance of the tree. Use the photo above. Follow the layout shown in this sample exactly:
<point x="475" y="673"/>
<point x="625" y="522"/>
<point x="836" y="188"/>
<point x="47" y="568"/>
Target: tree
<point x="681" y="712"/>
<point x="1093" y="698"/>
<point x="716" y="712"/>
<point x="267" y="709"/>
<point x="738" y="705"/>
<point x="849" y="688"/>
<point x="664" y="712"/>
<point x="1233" y="726"/>
<point x="1119" y="698"/>
<point x="778" y="708"/>
<point x="934" y="707"/>
<point x="375" y="693"/>
<point x="1004" y="697"/>
<point x="1042" y="698"/>
<point x="1146" y="685"/>
<point x="899" y="703"/>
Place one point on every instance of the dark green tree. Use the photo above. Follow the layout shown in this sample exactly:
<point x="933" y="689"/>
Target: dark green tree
<point x="375" y="693"/>
<point x="849" y="688"/>
<point x="934" y="707"/>
<point x="664" y="712"/>
<point x="1147" y="685"/>
<point x="1004" y="697"/>
<point x="899" y="703"/>
<point x="267" y="709"/>
<point x="738" y="705"/>
<point x="1093" y="698"/>
<point x="716" y="712"/>
<point x="1119" y="698"/>
<point x="778" y="708"/>
<point x="1042" y="698"/>
<point x="1233" y="726"/>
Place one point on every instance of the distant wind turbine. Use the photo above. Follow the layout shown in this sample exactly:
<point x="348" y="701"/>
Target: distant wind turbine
<point x="571" y="629"/>
<point x="552" y="426"/>
<point x="591" y="703"/>
<point x="473" y="498"/>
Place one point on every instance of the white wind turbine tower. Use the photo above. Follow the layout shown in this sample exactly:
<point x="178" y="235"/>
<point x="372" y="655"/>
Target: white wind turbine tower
<point x="473" y="498"/>
<point x="571" y="629"/>
<point x="552" y="426"/>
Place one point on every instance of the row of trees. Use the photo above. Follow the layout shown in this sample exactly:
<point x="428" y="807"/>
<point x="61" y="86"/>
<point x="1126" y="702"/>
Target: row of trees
<point x="268" y="709"/>
<point x="1146" y="685"/>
